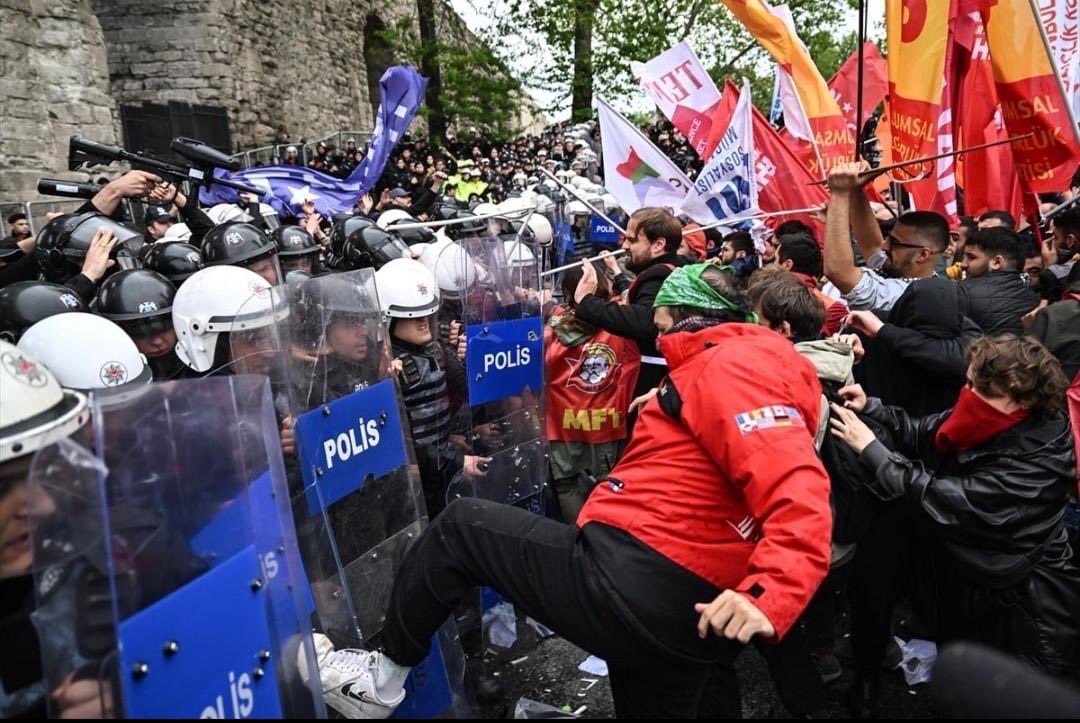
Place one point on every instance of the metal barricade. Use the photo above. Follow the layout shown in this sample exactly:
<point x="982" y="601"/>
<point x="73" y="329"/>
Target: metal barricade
<point x="37" y="211"/>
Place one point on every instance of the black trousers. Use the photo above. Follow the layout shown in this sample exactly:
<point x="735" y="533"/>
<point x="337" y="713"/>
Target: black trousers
<point x="542" y="567"/>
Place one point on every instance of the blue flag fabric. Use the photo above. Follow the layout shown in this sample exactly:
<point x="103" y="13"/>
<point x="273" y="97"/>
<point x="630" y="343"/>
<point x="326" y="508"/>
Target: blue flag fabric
<point x="401" y="91"/>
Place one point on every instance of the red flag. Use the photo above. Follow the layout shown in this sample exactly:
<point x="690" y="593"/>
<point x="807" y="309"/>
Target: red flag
<point x="783" y="181"/>
<point x="1032" y="98"/>
<point x="845" y="84"/>
<point x="988" y="177"/>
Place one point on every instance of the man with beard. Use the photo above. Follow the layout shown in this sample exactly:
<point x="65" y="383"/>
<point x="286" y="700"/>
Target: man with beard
<point x="651" y="243"/>
<point x="908" y="253"/>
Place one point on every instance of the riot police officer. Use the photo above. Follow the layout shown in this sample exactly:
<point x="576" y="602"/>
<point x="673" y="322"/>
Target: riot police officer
<point x="242" y="244"/>
<point x="140" y="302"/>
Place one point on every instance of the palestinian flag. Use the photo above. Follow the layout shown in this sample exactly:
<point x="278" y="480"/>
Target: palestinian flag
<point x="636" y="172"/>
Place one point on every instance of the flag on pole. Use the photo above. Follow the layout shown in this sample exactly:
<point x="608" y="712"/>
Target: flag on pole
<point x="782" y="181"/>
<point x="1061" y="22"/>
<point x="988" y="177"/>
<point x="679" y="85"/>
<point x="918" y="38"/>
<point x="1032" y="97"/>
<point x="844" y="85"/>
<point x="776" y="105"/>
<point x="830" y="135"/>
<point x="725" y="188"/>
<point x="286" y="188"/>
<point x="636" y="172"/>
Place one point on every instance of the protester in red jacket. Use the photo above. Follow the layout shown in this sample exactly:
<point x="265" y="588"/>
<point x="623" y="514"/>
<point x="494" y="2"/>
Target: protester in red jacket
<point x="715" y="520"/>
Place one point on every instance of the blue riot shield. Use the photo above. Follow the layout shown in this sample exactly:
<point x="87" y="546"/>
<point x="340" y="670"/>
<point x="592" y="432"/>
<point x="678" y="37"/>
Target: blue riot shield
<point x="354" y="485"/>
<point x="502" y="428"/>
<point x="166" y="568"/>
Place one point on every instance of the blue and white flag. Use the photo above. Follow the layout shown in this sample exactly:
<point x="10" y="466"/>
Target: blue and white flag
<point x="776" y="107"/>
<point x="401" y="91"/>
<point x="725" y="188"/>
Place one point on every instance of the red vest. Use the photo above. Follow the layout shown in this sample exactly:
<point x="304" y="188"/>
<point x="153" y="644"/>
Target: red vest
<point x="588" y="387"/>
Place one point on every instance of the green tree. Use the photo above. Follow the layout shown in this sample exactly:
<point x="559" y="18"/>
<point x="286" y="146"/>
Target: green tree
<point x="475" y="87"/>
<point x="542" y="37"/>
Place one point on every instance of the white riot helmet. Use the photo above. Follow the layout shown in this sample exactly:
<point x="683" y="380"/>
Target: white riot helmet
<point x="407" y="290"/>
<point x="518" y="255"/>
<point x="580" y="182"/>
<point x="514" y="206"/>
<point x="544" y="204"/>
<point x="577" y="208"/>
<point x="393" y="215"/>
<point x="86" y="351"/>
<point x="610" y="202"/>
<point x="226" y="212"/>
<point x="270" y="217"/>
<point x="455" y="271"/>
<point x="483" y="209"/>
<point x="541" y="229"/>
<point x="519" y="180"/>
<point x="34" y="410"/>
<point x="215" y="300"/>
<point x="176" y="232"/>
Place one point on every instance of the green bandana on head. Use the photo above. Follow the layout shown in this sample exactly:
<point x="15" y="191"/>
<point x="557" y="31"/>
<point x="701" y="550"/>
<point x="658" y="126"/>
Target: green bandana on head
<point x="685" y="287"/>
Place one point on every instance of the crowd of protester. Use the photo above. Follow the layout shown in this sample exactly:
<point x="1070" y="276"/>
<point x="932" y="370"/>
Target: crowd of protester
<point x="919" y="371"/>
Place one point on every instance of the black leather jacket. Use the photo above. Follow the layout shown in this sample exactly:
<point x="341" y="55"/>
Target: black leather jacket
<point x="1007" y="578"/>
<point x="999" y="508"/>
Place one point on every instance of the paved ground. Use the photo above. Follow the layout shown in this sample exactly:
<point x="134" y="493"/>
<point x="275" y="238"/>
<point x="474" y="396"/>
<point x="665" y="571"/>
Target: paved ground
<point x="553" y="678"/>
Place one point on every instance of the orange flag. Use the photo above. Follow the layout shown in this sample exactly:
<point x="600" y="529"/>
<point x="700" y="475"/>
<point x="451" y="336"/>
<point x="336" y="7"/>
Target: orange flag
<point x="834" y="141"/>
<point x="1032" y="99"/>
<point x="918" y="34"/>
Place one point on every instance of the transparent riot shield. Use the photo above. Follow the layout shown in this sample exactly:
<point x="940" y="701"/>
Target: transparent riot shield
<point x="166" y="569"/>
<point x="502" y="425"/>
<point x="355" y="489"/>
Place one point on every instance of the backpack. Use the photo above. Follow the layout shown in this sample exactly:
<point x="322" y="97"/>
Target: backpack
<point x="854" y="505"/>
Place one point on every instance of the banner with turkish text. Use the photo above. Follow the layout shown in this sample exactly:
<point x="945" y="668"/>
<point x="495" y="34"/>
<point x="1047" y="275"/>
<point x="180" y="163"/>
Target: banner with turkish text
<point x="783" y="182"/>
<point x="1032" y="97"/>
<point x="679" y="85"/>
<point x="1061" y="23"/>
<point x="726" y="187"/>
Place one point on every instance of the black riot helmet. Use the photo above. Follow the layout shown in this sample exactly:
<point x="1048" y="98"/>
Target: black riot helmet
<point x="345" y="225"/>
<point x="24" y="303"/>
<point x="372" y="247"/>
<point x="297" y="249"/>
<point x="242" y="244"/>
<point x="408" y="235"/>
<point x="175" y="260"/>
<point x="469" y="229"/>
<point x="139" y="300"/>
<point x="63" y="242"/>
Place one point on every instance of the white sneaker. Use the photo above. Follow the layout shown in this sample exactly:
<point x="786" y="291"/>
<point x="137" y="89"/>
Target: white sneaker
<point x="348" y="681"/>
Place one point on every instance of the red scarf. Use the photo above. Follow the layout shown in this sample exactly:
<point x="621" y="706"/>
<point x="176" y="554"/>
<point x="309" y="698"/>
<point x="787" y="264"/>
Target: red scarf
<point x="973" y="422"/>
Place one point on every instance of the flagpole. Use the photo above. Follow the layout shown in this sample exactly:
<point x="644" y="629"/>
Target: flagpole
<point x="575" y="194"/>
<point x="736" y="221"/>
<point x="557" y="269"/>
<point x="859" y="94"/>
<point x="455" y="221"/>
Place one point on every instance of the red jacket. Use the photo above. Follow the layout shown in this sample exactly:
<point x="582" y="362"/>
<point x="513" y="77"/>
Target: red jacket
<point x="732" y="490"/>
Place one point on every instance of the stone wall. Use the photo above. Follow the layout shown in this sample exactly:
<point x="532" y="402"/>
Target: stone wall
<point x="54" y="82"/>
<point x="68" y="65"/>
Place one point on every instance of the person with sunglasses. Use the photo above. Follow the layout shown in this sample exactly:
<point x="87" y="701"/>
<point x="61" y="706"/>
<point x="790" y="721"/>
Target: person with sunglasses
<point x="909" y="252"/>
